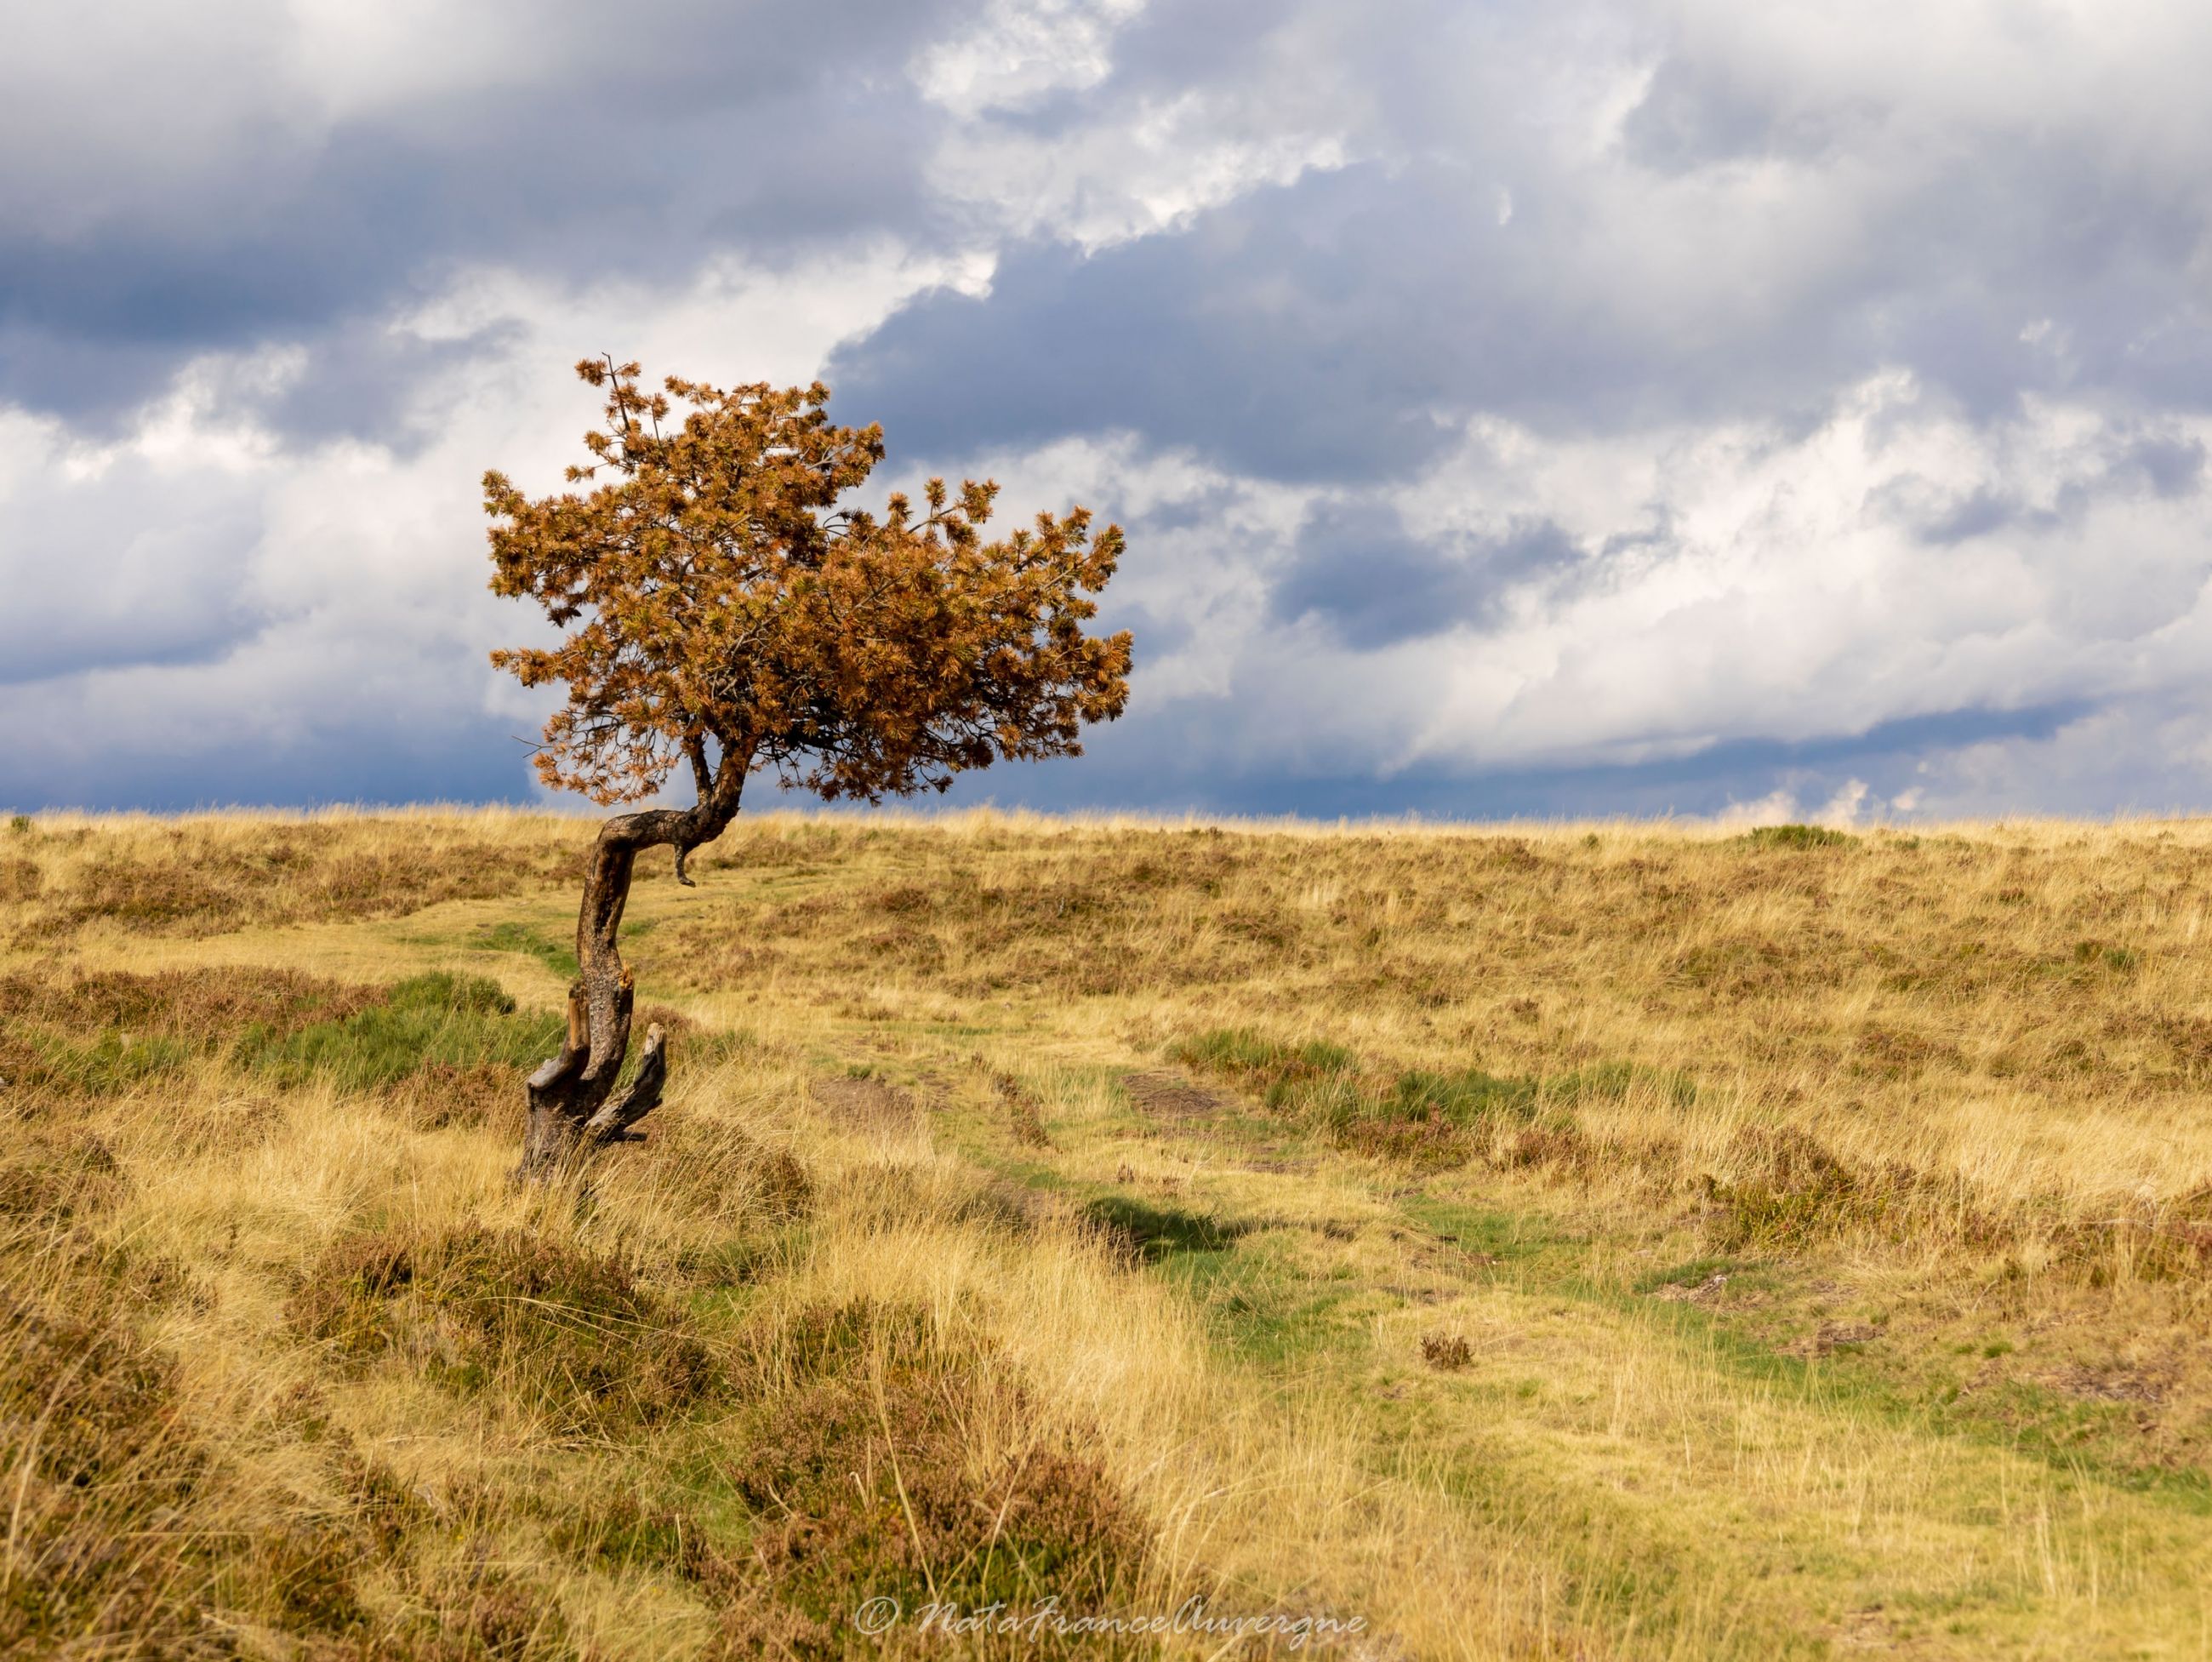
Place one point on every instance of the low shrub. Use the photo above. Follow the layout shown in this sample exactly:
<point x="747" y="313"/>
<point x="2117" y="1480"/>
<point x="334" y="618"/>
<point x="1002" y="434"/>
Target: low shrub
<point x="1447" y="1351"/>
<point x="204" y="881"/>
<point x="469" y="1610"/>
<point x="50" y="1175"/>
<point x="864" y="1482"/>
<point x="565" y="1334"/>
<point x="625" y="1530"/>
<point x="1797" y="837"/>
<point x="108" y="1032"/>
<point x="1792" y="1191"/>
<point x="1025" y="1114"/>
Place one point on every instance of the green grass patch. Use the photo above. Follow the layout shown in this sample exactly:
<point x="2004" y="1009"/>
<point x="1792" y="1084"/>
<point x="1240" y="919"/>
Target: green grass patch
<point x="1330" y="1083"/>
<point x="2089" y="1442"/>
<point x="1262" y="1310"/>
<point x="1460" y="1098"/>
<point x="1427" y="1118"/>
<point x="1272" y="1068"/>
<point x="101" y="1033"/>
<point x="109" y="1063"/>
<point x="1413" y="1114"/>
<point x="437" y="1020"/>
<point x="1486" y="1232"/>
<point x="513" y="936"/>
<point x="2095" y="953"/>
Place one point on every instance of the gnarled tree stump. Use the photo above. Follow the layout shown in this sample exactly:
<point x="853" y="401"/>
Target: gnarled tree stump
<point x="573" y="1107"/>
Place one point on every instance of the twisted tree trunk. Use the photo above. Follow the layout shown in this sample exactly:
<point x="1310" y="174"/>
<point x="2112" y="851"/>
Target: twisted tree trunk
<point x="572" y="1105"/>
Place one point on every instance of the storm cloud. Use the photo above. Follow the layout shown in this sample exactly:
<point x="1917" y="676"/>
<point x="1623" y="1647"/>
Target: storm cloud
<point x="1613" y="406"/>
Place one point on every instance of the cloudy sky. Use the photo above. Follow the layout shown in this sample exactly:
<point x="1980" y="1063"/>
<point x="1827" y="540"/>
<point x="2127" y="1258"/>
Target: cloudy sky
<point x="1763" y="407"/>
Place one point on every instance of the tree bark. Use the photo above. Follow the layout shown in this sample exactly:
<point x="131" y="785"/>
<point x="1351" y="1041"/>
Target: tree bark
<point x="574" y="1108"/>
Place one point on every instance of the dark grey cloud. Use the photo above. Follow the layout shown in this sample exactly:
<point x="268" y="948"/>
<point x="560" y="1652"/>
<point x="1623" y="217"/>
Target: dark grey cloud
<point x="2174" y="467"/>
<point x="361" y="381"/>
<point x="650" y="139"/>
<point x="1270" y="336"/>
<point x="1356" y="569"/>
<point x="1338" y="328"/>
<point x="1123" y="768"/>
<point x="1341" y="327"/>
<point x="152" y="571"/>
<point x="1980" y="512"/>
<point x="470" y="759"/>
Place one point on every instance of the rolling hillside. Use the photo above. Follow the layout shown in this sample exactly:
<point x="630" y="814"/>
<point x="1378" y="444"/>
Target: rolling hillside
<point x="1587" y="1241"/>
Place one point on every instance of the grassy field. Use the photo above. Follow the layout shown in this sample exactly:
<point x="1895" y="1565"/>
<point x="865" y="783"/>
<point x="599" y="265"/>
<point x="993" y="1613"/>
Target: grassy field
<point x="1608" y="1240"/>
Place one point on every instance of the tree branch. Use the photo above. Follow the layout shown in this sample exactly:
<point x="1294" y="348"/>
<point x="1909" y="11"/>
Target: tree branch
<point x="642" y="1095"/>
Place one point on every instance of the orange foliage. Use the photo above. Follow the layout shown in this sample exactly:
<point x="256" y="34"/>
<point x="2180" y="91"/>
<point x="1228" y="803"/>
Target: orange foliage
<point x="721" y="605"/>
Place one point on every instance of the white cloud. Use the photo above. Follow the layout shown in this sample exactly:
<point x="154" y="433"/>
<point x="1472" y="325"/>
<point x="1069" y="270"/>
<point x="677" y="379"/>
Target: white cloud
<point x="1777" y="807"/>
<point x="1141" y="158"/>
<point x="1789" y="593"/>
<point x="1019" y="50"/>
<point x="1852" y="804"/>
<point x="1796" y="593"/>
<point x="199" y="588"/>
<point x="1123" y="178"/>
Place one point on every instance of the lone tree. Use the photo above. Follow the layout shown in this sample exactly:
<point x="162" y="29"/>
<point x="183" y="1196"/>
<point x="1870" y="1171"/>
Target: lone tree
<point x="720" y="610"/>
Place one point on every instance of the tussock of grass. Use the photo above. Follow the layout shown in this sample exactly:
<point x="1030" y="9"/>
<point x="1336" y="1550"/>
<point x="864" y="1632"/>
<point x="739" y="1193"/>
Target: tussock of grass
<point x="99" y="1460"/>
<point x="566" y="1336"/>
<point x="53" y="1172"/>
<point x="869" y="1468"/>
<point x="1024" y="1117"/>
<point x="133" y="1529"/>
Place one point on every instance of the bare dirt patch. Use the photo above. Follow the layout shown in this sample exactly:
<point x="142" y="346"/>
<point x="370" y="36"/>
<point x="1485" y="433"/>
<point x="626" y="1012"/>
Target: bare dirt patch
<point x="1170" y="1096"/>
<point x="1832" y="1336"/>
<point x="2113" y="1383"/>
<point x="1704" y="1292"/>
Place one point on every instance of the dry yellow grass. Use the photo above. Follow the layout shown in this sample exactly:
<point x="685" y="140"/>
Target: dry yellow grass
<point x="1811" y="1238"/>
